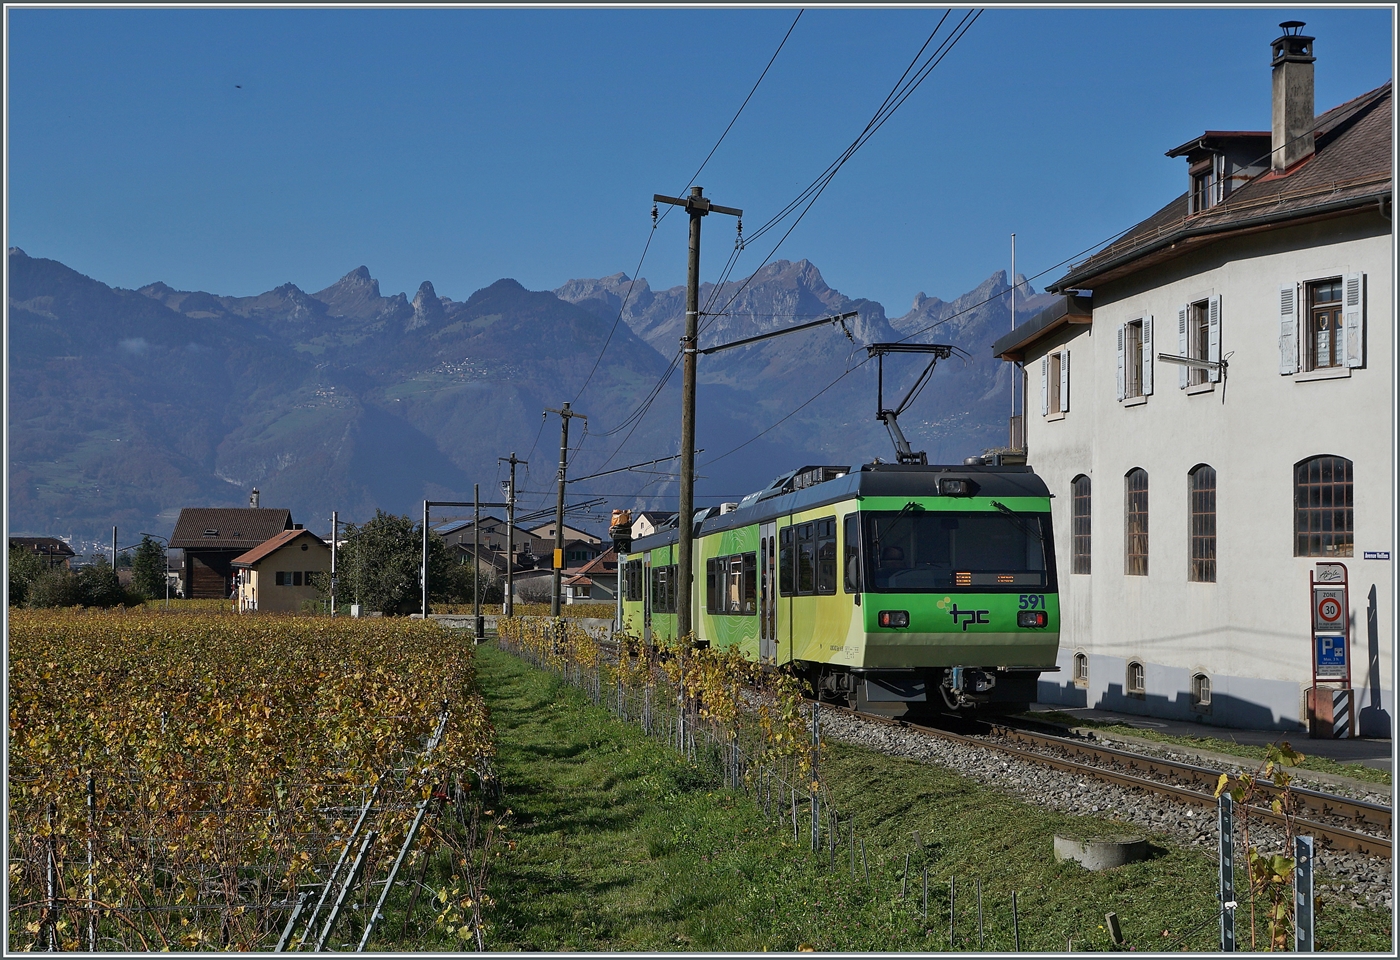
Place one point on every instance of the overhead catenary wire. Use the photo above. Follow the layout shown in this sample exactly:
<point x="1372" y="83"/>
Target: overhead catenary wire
<point x="655" y="221"/>
<point x="901" y="92"/>
<point x="898" y="94"/>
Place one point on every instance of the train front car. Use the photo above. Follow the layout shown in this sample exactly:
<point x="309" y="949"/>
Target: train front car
<point x="958" y="604"/>
<point x="900" y="589"/>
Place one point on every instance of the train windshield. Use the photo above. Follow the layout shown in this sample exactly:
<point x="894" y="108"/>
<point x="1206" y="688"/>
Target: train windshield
<point x="914" y="550"/>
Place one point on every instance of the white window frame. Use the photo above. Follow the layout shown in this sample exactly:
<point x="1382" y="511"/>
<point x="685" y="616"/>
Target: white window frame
<point x="1054" y="384"/>
<point x="1140" y="689"/>
<point x="1144" y="352"/>
<point x="1081" y="669"/>
<point x="1296" y="333"/>
<point x="1201" y="690"/>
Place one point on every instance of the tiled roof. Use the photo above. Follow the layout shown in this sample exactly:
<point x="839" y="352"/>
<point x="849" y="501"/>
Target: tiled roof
<point x="1351" y="168"/>
<point x="43" y="546"/>
<point x="271" y="546"/>
<point x="224" y="528"/>
<point x="601" y="563"/>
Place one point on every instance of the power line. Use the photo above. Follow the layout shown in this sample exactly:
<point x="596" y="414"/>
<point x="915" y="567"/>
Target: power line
<point x="896" y="98"/>
<point x="656" y="222"/>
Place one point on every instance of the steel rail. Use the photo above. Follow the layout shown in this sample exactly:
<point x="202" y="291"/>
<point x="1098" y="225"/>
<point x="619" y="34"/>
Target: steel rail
<point x="1335" y="837"/>
<point x="1358" y="812"/>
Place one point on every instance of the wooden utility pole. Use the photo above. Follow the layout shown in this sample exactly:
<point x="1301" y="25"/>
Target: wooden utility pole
<point x="509" y="607"/>
<point x="697" y="206"/>
<point x="565" y="415"/>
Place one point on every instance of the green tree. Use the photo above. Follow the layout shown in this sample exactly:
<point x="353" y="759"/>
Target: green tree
<point x="99" y="585"/>
<point x="25" y="568"/>
<point x="148" y="569"/>
<point x="380" y="562"/>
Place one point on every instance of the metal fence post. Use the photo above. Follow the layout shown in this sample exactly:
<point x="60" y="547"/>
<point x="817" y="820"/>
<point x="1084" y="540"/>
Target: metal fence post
<point x="1303" y="895"/>
<point x="1227" y="874"/>
<point x="92" y="863"/>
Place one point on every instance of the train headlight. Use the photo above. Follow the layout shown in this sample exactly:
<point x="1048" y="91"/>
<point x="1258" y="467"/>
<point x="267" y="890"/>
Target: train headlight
<point x="894" y="618"/>
<point x="1032" y="618"/>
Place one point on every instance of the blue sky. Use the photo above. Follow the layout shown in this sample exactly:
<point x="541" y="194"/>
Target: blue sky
<point x="465" y="145"/>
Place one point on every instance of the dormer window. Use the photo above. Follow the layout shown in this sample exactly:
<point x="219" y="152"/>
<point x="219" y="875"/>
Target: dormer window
<point x="1203" y="185"/>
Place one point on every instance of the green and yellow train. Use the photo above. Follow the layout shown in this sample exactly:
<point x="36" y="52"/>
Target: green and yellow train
<point x="930" y="586"/>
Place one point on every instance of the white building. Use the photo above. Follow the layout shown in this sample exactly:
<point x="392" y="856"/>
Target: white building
<point x="1194" y="502"/>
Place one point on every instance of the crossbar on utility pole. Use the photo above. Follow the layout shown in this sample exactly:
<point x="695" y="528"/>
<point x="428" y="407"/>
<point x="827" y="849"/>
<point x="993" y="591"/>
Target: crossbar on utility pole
<point x="509" y="607"/>
<point x="565" y="415"/>
<point x="698" y="206"/>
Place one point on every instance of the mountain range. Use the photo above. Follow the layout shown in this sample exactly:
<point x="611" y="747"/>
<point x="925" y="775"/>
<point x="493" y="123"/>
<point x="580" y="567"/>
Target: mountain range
<point x="126" y="405"/>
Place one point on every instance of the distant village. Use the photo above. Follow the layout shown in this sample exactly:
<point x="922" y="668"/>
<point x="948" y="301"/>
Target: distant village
<point x="260" y="558"/>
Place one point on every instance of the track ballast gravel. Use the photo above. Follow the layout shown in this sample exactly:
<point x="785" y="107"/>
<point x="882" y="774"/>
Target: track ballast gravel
<point x="1342" y="877"/>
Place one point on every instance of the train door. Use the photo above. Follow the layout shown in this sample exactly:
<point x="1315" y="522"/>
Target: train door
<point x="646" y="598"/>
<point x="768" y="601"/>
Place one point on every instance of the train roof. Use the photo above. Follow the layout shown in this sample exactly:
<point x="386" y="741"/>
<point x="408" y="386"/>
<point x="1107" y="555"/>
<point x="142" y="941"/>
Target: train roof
<point x="816" y="486"/>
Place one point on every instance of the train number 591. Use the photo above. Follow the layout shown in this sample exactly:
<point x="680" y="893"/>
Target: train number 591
<point x="1032" y="601"/>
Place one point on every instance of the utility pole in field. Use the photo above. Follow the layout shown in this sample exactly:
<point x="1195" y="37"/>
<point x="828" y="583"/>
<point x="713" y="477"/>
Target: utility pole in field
<point x="565" y="415"/>
<point x="698" y="206"/>
<point x="509" y="606"/>
<point x="335" y="535"/>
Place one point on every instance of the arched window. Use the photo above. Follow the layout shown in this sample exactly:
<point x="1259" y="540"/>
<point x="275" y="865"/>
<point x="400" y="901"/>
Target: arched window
<point x="1079" y="540"/>
<point x="1322" y="507"/>
<point x="1081" y="670"/>
<point x="1135" y="523"/>
<point x="1200" y="690"/>
<point x="1201" y="488"/>
<point x="1136" y="679"/>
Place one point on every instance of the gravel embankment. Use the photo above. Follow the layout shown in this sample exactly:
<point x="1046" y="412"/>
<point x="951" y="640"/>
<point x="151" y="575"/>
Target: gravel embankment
<point x="1342" y="786"/>
<point x="1343" y="878"/>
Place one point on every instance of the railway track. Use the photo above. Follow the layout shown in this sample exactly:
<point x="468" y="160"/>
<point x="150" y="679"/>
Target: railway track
<point x="1355" y="825"/>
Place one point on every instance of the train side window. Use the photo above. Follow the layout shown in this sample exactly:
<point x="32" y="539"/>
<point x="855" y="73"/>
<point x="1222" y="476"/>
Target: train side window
<point x="733" y="583"/>
<point x="787" y="561"/>
<point x="750" y="590"/>
<point x="852" y="552"/>
<point x="826" y="556"/>
<point x="710" y="585"/>
<point x="806" y="559"/>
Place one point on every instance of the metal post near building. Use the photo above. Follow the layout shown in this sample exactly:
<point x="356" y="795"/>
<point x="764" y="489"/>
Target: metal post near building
<point x="478" y="633"/>
<point x="1227" y="874"/>
<point x="1330" y="707"/>
<point x="698" y="206"/>
<point x="1303" y="895"/>
<point x="335" y="536"/>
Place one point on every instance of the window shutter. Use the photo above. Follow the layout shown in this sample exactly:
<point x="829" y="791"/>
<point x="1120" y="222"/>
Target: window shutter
<point x="1182" y="345"/>
<point x="1353" y="317"/>
<point x="1045" y="385"/>
<point x="1213" y="337"/>
<point x="1147" y="355"/>
<point x="1287" y="329"/>
<point x="1122" y="388"/>
<point x="1064" y="381"/>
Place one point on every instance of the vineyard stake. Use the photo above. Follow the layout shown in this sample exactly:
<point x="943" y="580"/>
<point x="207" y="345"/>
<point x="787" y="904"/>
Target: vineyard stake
<point x="345" y="852"/>
<point x="92" y="865"/>
<point x="925" y="891"/>
<point x="1015" y="922"/>
<point x="794" y="814"/>
<point x="286" y="937"/>
<point x="407" y="841"/>
<point x="865" y="864"/>
<point x="851" y="836"/>
<point x="346" y="890"/>
<point x="952" y="909"/>
<point x="904" y="881"/>
<point x="49" y="929"/>
<point x="980" y="942"/>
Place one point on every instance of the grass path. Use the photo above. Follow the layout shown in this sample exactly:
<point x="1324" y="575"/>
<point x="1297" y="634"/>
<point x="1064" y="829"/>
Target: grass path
<point x="624" y="847"/>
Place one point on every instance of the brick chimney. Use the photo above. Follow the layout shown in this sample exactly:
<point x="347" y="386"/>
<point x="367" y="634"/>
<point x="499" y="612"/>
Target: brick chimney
<point x="1293" y="96"/>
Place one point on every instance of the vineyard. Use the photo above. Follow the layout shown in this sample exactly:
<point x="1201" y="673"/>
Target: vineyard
<point x="206" y="781"/>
